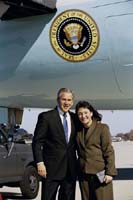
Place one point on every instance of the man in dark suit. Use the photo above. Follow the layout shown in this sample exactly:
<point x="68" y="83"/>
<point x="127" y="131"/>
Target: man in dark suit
<point x="54" y="152"/>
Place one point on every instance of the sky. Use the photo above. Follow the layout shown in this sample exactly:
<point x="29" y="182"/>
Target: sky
<point x="119" y="121"/>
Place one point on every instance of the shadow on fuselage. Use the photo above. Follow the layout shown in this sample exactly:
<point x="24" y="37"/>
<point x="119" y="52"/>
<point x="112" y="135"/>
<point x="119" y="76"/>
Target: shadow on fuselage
<point x="17" y="37"/>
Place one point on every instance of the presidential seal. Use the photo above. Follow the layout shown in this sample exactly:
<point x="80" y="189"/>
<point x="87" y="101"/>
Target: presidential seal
<point x="74" y="35"/>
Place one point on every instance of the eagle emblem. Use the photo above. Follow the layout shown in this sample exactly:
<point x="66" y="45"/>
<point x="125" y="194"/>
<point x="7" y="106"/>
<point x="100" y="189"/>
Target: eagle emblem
<point x="73" y="33"/>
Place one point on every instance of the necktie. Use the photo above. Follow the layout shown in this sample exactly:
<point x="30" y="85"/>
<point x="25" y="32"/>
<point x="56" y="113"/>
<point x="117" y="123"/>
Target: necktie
<point x="65" y="125"/>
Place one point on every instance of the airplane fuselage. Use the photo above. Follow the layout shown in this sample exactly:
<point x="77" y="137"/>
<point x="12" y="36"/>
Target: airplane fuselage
<point x="31" y="70"/>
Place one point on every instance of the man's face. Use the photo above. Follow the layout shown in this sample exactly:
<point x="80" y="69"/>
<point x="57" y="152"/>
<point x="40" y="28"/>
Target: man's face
<point x="65" y="101"/>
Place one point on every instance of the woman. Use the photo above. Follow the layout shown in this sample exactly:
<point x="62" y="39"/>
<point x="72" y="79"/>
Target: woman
<point x="96" y="155"/>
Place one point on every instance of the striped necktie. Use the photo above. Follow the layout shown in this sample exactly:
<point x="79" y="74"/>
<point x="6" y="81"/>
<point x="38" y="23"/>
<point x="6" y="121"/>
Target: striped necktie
<point x="65" y="125"/>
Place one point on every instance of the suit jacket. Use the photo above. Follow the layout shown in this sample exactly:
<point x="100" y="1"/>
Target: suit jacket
<point x="95" y="150"/>
<point x="49" y="145"/>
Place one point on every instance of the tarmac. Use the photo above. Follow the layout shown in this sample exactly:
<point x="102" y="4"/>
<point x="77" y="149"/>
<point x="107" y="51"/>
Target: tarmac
<point x="122" y="184"/>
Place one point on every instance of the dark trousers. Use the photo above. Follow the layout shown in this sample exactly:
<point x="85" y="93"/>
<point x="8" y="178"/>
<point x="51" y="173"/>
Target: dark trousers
<point x="65" y="188"/>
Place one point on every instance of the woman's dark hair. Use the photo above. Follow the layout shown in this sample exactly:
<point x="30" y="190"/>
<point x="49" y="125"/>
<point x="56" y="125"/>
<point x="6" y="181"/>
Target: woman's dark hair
<point x="85" y="104"/>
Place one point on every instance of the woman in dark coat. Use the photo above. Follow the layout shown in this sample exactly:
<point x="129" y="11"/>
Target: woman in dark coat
<point x="96" y="155"/>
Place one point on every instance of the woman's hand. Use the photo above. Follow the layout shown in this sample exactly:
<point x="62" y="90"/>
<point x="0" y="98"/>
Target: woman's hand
<point x="108" y="179"/>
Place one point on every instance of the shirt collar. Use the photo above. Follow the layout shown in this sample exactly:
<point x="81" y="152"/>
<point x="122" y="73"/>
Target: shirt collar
<point x="61" y="112"/>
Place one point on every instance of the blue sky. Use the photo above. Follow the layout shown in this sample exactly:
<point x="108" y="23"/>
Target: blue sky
<point x="118" y="120"/>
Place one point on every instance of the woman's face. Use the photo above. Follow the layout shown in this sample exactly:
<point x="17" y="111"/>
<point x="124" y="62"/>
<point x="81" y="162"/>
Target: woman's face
<point x="85" y="116"/>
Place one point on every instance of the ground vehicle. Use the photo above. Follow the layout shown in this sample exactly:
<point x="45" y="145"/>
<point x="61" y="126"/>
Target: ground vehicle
<point x="16" y="163"/>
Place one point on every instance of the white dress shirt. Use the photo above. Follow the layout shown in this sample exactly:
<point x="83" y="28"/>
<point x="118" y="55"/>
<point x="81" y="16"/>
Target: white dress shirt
<point x="68" y="121"/>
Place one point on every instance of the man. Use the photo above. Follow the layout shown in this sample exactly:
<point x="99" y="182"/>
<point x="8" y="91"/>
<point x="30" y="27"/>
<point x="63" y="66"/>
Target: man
<point x="54" y="152"/>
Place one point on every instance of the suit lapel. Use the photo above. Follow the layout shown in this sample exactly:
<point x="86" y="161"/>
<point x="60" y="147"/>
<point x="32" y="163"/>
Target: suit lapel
<point x="81" y="137"/>
<point x="72" y="128"/>
<point x="57" y="121"/>
<point x="90" y="131"/>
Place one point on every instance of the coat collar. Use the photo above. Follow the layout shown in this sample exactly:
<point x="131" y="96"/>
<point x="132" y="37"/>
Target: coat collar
<point x="85" y="136"/>
<point x="90" y="130"/>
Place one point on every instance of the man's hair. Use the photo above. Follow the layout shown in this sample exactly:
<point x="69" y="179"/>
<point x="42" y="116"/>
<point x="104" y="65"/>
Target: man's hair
<point x="61" y="90"/>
